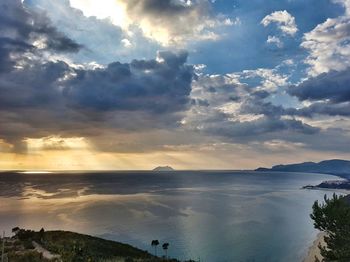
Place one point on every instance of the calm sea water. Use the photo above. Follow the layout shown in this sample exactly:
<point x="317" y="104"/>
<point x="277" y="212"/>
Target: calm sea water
<point x="211" y="216"/>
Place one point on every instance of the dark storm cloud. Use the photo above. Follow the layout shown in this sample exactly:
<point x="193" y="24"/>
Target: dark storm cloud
<point x="249" y="117"/>
<point x="28" y="85"/>
<point x="159" y="86"/>
<point x="34" y="87"/>
<point x="261" y="94"/>
<point x="165" y="7"/>
<point x="177" y="22"/>
<point x="256" y="129"/>
<point x="52" y="98"/>
<point x="20" y="28"/>
<point x="322" y="108"/>
<point x="8" y="45"/>
<point x="333" y="86"/>
<point x="103" y="40"/>
<point x="258" y="106"/>
<point x="41" y="97"/>
<point x="329" y="94"/>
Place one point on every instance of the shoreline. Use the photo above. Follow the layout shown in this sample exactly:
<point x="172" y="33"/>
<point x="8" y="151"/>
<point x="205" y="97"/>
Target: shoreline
<point x="334" y="190"/>
<point x="314" y="251"/>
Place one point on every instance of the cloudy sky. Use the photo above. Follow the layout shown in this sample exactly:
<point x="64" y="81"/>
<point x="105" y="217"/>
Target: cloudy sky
<point x="195" y="84"/>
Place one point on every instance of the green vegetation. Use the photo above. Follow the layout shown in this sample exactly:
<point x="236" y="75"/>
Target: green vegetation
<point x="21" y="249"/>
<point x="333" y="218"/>
<point x="69" y="247"/>
<point x="77" y="247"/>
<point x="29" y="246"/>
<point x="28" y="256"/>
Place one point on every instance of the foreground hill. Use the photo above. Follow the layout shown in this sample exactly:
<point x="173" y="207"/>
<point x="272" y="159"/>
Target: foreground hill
<point x="335" y="167"/>
<point x="31" y="246"/>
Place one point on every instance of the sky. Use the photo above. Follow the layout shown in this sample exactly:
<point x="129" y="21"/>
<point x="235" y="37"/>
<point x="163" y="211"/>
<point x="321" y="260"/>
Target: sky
<point x="194" y="84"/>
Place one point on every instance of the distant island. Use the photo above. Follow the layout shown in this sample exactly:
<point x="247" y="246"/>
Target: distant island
<point x="163" y="168"/>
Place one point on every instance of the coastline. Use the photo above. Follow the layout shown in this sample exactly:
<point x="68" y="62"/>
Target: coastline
<point x="314" y="251"/>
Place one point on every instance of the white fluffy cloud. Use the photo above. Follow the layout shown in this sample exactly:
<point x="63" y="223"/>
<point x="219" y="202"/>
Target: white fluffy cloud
<point x="274" y="40"/>
<point x="328" y="44"/>
<point x="345" y="3"/>
<point x="270" y="79"/>
<point x="284" y="20"/>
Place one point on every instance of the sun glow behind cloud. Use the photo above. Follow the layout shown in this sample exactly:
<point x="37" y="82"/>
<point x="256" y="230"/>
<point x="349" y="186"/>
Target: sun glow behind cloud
<point x="40" y="158"/>
<point x="116" y="12"/>
<point x="56" y="143"/>
<point x="245" y="87"/>
<point x="173" y="23"/>
<point x="107" y="9"/>
<point x="53" y="153"/>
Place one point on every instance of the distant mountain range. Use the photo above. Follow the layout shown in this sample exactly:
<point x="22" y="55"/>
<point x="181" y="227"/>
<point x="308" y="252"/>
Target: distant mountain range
<point x="335" y="167"/>
<point x="164" y="168"/>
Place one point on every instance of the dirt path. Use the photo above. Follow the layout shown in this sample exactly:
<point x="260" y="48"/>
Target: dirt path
<point x="46" y="254"/>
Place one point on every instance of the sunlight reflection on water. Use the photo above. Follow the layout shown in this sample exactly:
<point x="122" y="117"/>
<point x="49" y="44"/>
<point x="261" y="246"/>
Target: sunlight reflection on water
<point x="216" y="216"/>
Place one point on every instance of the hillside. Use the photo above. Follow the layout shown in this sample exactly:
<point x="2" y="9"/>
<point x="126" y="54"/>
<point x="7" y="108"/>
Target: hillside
<point x="335" y="167"/>
<point x="28" y="245"/>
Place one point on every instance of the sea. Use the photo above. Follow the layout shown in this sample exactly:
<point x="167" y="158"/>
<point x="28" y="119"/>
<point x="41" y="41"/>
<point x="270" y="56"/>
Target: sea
<point x="211" y="216"/>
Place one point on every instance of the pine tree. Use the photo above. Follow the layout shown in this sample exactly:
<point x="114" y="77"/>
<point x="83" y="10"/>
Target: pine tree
<point x="333" y="218"/>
